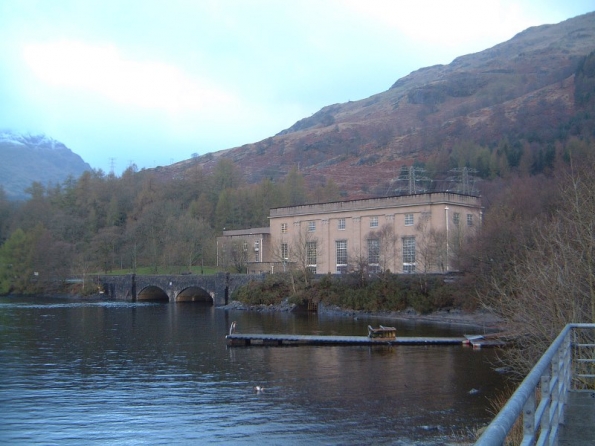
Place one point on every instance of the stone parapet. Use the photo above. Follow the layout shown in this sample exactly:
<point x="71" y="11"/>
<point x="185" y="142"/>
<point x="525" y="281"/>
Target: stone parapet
<point x="377" y="203"/>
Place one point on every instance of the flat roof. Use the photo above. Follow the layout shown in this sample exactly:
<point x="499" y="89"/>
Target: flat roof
<point x="379" y="203"/>
<point x="251" y="231"/>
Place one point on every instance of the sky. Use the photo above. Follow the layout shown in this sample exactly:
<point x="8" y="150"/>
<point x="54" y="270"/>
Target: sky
<point x="152" y="82"/>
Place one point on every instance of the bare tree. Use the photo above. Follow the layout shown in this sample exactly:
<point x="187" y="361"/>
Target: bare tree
<point x="551" y="282"/>
<point x="233" y="254"/>
<point x="431" y="246"/>
<point x="82" y="267"/>
<point x="299" y="256"/>
<point x="186" y="240"/>
<point x="359" y="263"/>
<point x="104" y="245"/>
<point x="239" y="255"/>
<point x="387" y="246"/>
<point x="150" y="233"/>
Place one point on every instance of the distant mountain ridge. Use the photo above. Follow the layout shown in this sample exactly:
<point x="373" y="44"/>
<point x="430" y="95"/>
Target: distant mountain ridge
<point x="29" y="158"/>
<point x="33" y="141"/>
<point x="522" y="88"/>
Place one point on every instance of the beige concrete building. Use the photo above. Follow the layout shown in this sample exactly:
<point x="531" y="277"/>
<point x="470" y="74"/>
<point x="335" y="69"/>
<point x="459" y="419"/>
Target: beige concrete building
<point x="246" y="250"/>
<point x="403" y="234"/>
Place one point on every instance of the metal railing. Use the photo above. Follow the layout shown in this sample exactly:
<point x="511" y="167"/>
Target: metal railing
<point x="539" y="401"/>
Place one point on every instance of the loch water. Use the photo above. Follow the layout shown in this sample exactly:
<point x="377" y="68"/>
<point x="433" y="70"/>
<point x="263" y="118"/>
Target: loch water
<point x="110" y="372"/>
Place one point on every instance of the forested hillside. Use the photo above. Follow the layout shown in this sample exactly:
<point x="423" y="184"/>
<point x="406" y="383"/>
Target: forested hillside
<point x="100" y="222"/>
<point x="498" y="110"/>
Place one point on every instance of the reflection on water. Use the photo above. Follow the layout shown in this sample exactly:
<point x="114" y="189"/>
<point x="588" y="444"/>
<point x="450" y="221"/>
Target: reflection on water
<point x="116" y="372"/>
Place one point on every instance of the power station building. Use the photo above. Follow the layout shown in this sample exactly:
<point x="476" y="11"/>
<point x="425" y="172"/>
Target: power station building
<point x="403" y="234"/>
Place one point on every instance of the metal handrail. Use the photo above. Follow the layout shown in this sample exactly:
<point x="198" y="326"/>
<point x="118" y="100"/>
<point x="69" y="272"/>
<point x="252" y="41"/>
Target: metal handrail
<point x="553" y="376"/>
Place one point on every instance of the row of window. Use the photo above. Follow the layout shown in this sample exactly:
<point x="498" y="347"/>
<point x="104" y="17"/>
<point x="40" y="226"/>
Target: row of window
<point x="341" y="254"/>
<point x="341" y="224"/>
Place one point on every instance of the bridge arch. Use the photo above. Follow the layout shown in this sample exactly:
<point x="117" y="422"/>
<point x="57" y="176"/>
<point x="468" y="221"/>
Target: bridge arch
<point x="177" y="288"/>
<point x="152" y="293"/>
<point x="195" y="294"/>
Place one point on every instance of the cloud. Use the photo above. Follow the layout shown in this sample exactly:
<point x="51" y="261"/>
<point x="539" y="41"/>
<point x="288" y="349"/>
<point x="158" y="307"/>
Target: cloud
<point x="451" y="24"/>
<point x="150" y="80"/>
<point x="103" y="70"/>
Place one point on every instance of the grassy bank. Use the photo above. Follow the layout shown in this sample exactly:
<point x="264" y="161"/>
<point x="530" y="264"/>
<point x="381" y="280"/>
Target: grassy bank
<point x="149" y="270"/>
<point x="387" y="292"/>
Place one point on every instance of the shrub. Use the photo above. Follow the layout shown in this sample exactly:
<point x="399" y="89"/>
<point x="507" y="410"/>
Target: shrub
<point x="389" y="292"/>
<point x="272" y="291"/>
<point x="421" y="302"/>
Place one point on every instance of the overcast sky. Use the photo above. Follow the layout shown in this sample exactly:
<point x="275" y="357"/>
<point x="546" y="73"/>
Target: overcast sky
<point x="151" y="82"/>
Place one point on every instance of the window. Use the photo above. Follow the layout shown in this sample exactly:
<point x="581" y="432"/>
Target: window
<point x="283" y="228"/>
<point x="284" y="251"/>
<point x="408" y="254"/>
<point x="341" y="250"/>
<point x="311" y="226"/>
<point x="469" y="219"/>
<point x="311" y="256"/>
<point x="257" y="256"/>
<point x="341" y="224"/>
<point x="408" y="219"/>
<point x="456" y="218"/>
<point x="373" y="222"/>
<point x="373" y="251"/>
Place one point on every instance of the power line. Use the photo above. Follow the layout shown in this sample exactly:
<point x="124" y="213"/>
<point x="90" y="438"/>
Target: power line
<point x="463" y="180"/>
<point x="410" y="181"/>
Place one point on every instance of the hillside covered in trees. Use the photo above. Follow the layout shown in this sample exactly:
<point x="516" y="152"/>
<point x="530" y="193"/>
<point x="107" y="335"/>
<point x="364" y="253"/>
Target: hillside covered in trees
<point x="99" y="222"/>
<point x="499" y="109"/>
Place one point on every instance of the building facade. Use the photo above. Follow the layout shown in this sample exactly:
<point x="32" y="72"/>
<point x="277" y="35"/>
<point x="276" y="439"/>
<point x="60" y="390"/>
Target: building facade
<point x="403" y="234"/>
<point x="407" y="234"/>
<point x="245" y="250"/>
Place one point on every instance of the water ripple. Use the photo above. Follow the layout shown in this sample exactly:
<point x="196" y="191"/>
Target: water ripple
<point x="118" y="373"/>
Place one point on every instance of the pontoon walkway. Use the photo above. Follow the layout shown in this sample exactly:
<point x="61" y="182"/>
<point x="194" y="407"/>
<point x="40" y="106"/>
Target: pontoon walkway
<point x="237" y="339"/>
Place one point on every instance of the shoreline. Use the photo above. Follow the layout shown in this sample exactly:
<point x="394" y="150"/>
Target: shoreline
<point x="480" y="319"/>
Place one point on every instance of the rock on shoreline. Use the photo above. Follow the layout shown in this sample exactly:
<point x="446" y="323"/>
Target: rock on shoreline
<point x="482" y="319"/>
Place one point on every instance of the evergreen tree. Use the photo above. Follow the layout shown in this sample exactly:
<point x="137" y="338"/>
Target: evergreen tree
<point x="16" y="269"/>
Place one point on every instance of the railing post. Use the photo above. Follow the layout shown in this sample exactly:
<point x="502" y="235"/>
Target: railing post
<point x="565" y="374"/>
<point x="546" y="395"/>
<point x="529" y="417"/>
<point x="553" y="413"/>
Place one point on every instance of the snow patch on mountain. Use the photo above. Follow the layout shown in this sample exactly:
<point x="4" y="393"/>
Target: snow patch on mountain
<point x="39" y="141"/>
<point x="28" y="158"/>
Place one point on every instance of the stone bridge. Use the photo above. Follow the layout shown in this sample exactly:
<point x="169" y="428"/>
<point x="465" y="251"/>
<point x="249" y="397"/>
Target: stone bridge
<point x="214" y="289"/>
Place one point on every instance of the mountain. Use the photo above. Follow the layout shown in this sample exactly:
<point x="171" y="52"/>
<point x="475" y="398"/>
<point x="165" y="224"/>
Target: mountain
<point x="523" y="88"/>
<point x="28" y="158"/>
